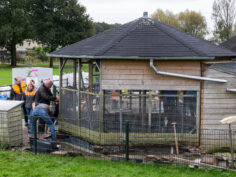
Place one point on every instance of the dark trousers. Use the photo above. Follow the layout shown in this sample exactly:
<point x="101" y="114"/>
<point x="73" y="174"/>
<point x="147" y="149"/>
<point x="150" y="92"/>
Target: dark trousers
<point x="25" y="114"/>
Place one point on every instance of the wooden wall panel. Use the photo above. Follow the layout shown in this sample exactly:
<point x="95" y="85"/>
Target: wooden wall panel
<point x="137" y="75"/>
<point x="217" y="102"/>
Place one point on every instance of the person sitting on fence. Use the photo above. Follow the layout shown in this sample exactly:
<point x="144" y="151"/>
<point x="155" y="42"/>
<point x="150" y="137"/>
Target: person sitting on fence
<point x="28" y="98"/>
<point x="17" y="92"/>
<point x="42" y="111"/>
<point x="44" y="95"/>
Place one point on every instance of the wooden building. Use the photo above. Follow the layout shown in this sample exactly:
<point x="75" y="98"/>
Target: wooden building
<point x="149" y="74"/>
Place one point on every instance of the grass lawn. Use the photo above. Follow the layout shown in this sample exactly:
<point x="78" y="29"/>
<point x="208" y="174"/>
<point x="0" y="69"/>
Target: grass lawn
<point x="26" y="164"/>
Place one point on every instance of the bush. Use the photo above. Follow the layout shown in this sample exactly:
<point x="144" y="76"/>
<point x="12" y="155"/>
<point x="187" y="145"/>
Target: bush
<point x="42" y="53"/>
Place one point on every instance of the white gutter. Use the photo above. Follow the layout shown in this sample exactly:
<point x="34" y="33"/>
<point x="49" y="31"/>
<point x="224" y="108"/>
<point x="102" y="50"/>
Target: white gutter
<point x="231" y="90"/>
<point x="184" y="76"/>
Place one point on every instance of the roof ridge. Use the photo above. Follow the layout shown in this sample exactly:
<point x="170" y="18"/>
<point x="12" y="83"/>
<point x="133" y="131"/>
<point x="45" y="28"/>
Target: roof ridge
<point x="178" y="39"/>
<point x="119" y="38"/>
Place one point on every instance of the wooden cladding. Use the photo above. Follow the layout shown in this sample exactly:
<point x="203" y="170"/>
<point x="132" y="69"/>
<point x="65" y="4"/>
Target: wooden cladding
<point x="218" y="103"/>
<point x="137" y="75"/>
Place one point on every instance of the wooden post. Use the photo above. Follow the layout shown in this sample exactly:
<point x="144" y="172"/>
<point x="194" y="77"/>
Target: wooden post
<point x="201" y="107"/>
<point x="198" y="112"/>
<point x="231" y="146"/>
<point x="176" y="140"/>
<point x="60" y="84"/>
<point x="90" y="97"/>
<point x="79" y="88"/>
<point x="101" y="105"/>
<point x="182" y="110"/>
<point x="150" y="111"/>
<point x="143" y="109"/>
<point x="101" y="113"/>
<point x="90" y="77"/>
<point x="74" y="73"/>
<point x="121" y="116"/>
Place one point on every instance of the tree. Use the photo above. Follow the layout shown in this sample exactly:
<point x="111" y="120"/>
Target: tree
<point x="100" y="27"/>
<point x="193" y="23"/>
<point x="188" y="21"/>
<point x="59" y="23"/>
<point x="223" y="15"/>
<point x="166" y="17"/>
<point x="15" y="25"/>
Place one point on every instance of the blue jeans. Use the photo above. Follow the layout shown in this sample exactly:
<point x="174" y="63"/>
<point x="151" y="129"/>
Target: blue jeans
<point x="29" y="112"/>
<point x="44" y="115"/>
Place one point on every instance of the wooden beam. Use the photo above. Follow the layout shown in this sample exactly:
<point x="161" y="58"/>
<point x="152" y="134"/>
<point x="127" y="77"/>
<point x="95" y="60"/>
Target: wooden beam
<point x="198" y="110"/>
<point x="74" y="73"/>
<point x="201" y="106"/>
<point x="60" y="84"/>
<point x="149" y="111"/>
<point x="101" y="112"/>
<point x="90" y="97"/>
<point x="62" y="64"/>
<point x="101" y="105"/>
<point x="79" y="89"/>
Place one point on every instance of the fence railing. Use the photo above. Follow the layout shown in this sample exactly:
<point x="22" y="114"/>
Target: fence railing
<point x="171" y="148"/>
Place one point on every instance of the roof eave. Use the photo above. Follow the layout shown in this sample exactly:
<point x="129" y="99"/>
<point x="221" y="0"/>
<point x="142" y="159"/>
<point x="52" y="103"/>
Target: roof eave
<point x="130" y="57"/>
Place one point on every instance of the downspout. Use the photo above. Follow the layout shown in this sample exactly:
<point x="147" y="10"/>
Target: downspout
<point x="184" y="75"/>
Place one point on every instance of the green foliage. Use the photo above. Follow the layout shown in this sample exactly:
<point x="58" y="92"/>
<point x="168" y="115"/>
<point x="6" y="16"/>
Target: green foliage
<point x="102" y="26"/>
<point x="166" y="17"/>
<point x="4" y="146"/>
<point x="26" y="164"/>
<point x="188" y="21"/>
<point x="15" y="25"/>
<point x="224" y="14"/>
<point x="59" y="23"/>
<point x="193" y="23"/>
<point x="56" y="23"/>
<point x="42" y="52"/>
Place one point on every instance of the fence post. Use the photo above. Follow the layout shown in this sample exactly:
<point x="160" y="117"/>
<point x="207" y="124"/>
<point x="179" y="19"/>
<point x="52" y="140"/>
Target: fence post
<point x="127" y="140"/>
<point x="35" y="134"/>
<point x="231" y="145"/>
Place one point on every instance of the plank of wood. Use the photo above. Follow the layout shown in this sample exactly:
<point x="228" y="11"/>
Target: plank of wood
<point x="219" y="111"/>
<point x="150" y="87"/>
<point x="122" y="77"/>
<point x="218" y="96"/>
<point x="219" y="101"/>
<point x="216" y="73"/>
<point x="220" y="106"/>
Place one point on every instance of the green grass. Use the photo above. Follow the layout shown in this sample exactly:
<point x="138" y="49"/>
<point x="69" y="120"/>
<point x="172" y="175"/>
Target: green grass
<point x="26" y="164"/>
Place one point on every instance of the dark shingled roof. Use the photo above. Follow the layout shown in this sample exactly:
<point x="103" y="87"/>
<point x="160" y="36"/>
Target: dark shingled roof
<point x="229" y="68"/>
<point x="143" y="38"/>
<point x="230" y="44"/>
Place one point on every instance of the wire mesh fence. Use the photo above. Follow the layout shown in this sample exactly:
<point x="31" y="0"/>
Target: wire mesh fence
<point x="213" y="151"/>
<point x="162" y="128"/>
<point x="95" y="126"/>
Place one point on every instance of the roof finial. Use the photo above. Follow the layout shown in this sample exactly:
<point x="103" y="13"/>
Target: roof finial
<point x="145" y="14"/>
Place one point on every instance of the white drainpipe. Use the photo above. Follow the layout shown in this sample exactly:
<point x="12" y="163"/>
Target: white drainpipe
<point x="184" y="76"/>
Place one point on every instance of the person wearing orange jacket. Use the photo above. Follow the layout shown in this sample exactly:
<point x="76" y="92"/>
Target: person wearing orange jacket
<point x="17" y="91"/>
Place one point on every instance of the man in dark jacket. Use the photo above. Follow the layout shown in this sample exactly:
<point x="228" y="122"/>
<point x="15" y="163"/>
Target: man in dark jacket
<point x="44" y="96"/>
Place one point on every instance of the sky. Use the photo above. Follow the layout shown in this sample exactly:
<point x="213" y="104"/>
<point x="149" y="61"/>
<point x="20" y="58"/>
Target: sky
<point x="123" y="11"/>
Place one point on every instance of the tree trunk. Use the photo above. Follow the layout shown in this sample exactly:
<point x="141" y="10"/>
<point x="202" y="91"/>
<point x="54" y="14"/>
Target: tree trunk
<point x="13" y="52"/>
<point x="51" y="62"/>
